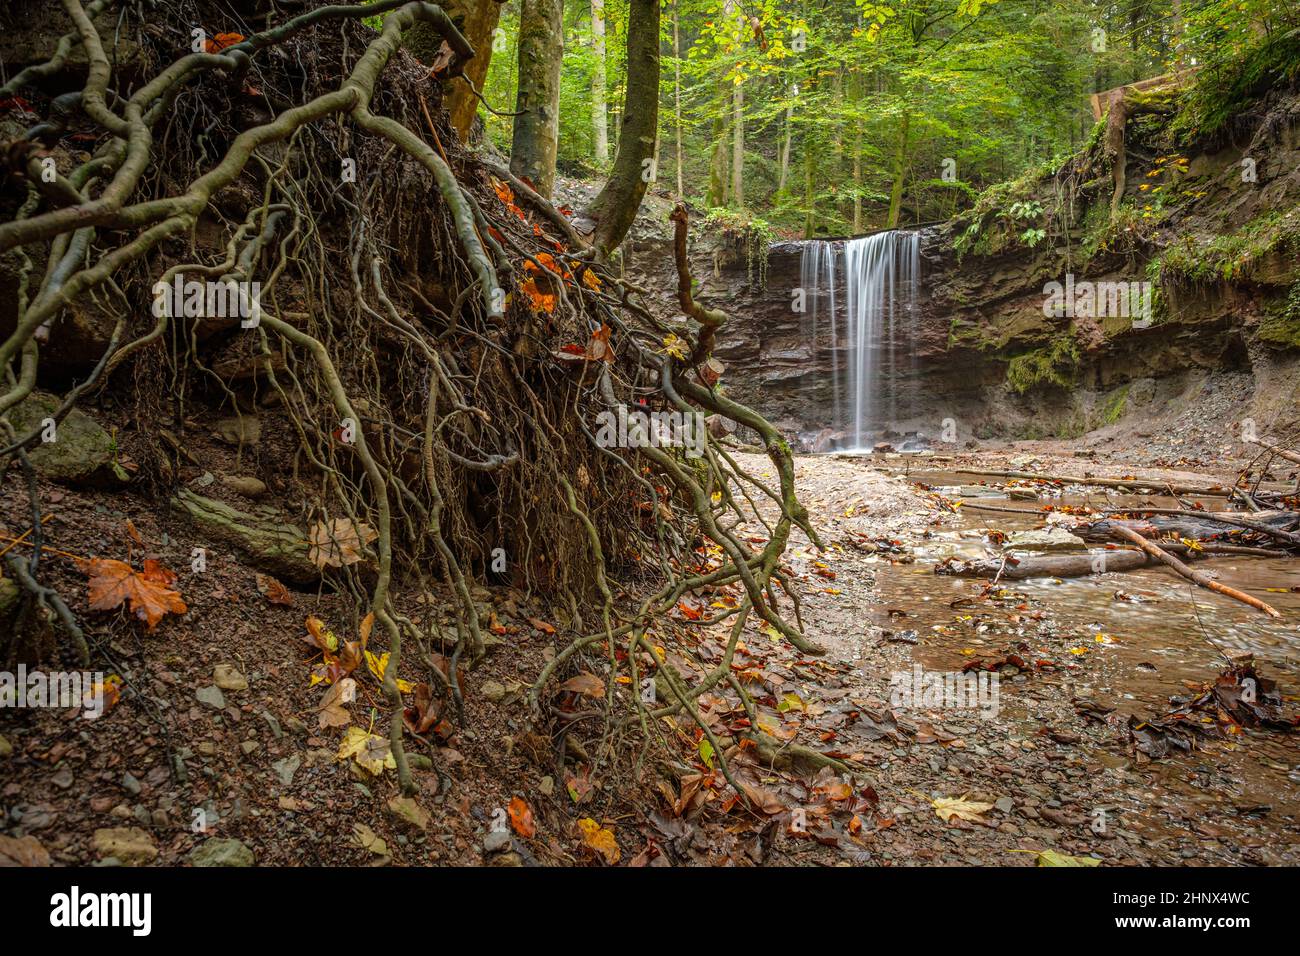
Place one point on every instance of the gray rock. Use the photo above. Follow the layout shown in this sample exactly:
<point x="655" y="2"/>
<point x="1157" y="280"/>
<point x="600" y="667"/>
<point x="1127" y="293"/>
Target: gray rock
<point x="246" y="485"/>
<point x="211" y="696"/>
<point x="496" y="840"/>
<point x="286" y="768"/>
<point x="243" y="430"/>
<point x="82" y="453"/>
<point x="1045" y="539"/>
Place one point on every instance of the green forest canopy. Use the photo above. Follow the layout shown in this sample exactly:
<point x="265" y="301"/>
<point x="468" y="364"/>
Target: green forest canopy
<point x="831" y="117"/>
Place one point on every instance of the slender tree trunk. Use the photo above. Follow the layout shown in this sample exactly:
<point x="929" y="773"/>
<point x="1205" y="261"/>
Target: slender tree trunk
<point x="738" y="145"/>
<point x="599" y="119"/>
<point x="785" y="147"/>
<point x="677" y="96"/>
<point x="477" y="20"/>
<point x="900" y="172"/>
<point x="855" y="91"/>
<point x="615" y="207"/>
<point x="536" y="131"/>
<point x="719" y="167"/>
<point x="809" y="221"/>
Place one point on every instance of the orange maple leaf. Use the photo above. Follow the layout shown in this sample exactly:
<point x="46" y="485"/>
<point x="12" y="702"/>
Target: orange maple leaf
<point x="150" y="591"/>
<point x="538" y="300"/>
<point x="221" y="41"/>
<point x="521" y="818"/>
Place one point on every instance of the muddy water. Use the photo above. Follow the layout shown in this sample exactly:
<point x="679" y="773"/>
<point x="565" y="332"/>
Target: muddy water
<point x="1157" y="633"/>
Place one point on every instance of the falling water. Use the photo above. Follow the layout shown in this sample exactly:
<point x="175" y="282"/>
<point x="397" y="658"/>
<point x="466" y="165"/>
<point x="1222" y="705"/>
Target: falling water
<point x="875" y="315"/>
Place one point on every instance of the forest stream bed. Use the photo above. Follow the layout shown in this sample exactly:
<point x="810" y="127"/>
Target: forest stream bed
<point x="1055" y="762"/>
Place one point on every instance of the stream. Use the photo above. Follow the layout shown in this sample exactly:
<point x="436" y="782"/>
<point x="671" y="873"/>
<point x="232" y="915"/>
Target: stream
<point x="1148" y="635"/>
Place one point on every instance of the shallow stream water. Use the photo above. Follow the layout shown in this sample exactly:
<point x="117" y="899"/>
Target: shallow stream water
<point x="1147" y="634"/>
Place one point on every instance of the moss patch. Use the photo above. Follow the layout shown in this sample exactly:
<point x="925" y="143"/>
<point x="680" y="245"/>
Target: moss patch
<point x="1056" y="364"/>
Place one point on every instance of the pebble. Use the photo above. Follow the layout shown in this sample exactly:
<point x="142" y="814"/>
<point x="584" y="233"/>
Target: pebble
<point x="129" y="845"/>
<point x="228" y="677"/>
<point x="130" y="784"/>
<point x="220" y="851"/>
<point x="286" y="768"/>
<point x="496" y="840"/>
<point x="211" y="696"/>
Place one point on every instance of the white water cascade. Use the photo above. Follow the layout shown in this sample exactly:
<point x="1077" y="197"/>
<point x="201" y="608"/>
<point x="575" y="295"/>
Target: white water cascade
<point x="861" y="298"/>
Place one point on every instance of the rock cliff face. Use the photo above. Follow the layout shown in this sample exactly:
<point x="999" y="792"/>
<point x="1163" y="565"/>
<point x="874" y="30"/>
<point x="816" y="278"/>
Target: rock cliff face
<point x="1214" y="229"/>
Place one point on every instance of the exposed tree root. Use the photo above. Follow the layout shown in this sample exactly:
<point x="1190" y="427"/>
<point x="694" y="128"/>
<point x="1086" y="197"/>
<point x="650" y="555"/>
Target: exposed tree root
<point x="413" y="308"/>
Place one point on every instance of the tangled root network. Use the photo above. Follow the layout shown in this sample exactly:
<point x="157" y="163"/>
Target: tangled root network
<point x="443" y="342"/>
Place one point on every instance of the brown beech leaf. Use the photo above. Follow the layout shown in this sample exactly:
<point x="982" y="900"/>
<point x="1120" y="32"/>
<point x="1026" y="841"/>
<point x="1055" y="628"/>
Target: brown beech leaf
<point x="149" y="591"/>
<point x="273" y="590"/>
<point x="332" y="707"/>
<point x="587" y="684"/>
<point x="339" y="542"/>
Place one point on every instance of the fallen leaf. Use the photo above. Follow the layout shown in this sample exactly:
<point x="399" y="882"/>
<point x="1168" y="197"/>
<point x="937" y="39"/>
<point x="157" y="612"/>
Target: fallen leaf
<point x="600" y="840"/>
<point x="371" y="752"/>
<point x="273" y="590"/>
<point x="339" y="542"/>
<point x="948" y="807"/>
<point x="332" y="706"/>
<point x="149" y="591"/>
<point x="320" y="636"/>
<point x="367" y="839"/>
<point x="521" y="818"/>
<point x="379" y="664"/>
<point x="586" y="684"/>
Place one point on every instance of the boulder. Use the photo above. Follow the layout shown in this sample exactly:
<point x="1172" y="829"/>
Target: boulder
<point x="80" y="452"/>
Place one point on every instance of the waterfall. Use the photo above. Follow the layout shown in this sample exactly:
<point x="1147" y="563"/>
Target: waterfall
<point x="876" y="315"/>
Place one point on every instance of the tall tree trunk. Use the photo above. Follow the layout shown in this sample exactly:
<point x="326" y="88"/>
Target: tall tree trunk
<point x="855" y="94"/>
<point x="737" y="23"/>
<point x="616" y="205"/>
<point x="900" y="173"/>
<point x="535" y="143"/>
<point x="719" y="160"/>
<point x="477" y="20"/>
<point x="677" y="95"/>
<point x="785" y="148"/>
<point x="738" y="145"/>
<point x="809" y="220"/>
<point x="599" y="117"/>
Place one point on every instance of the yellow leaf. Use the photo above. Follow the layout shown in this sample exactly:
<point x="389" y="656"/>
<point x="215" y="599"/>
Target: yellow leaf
<point x="371" y="752"/>
<point x="946" y="808"/>
<point x="675" y="347"/>
<point x="600" y="840"/>
<point x="377" y="667"/>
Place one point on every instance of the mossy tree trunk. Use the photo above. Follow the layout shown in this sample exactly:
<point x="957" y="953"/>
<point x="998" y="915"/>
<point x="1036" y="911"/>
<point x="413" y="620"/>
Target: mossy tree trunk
<point x="615" y="207"/>
<point x="535" y="143"/>
<point x="477" y="20"/>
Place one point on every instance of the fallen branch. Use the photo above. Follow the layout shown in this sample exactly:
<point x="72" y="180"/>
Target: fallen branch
<point x="1124" y="484"/>
<point x="1280" y="452"/>
<point x="1196" y="577"/>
